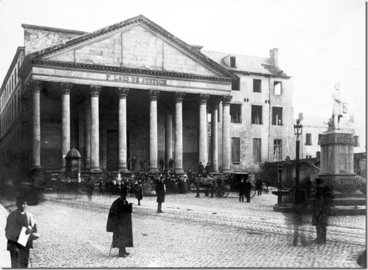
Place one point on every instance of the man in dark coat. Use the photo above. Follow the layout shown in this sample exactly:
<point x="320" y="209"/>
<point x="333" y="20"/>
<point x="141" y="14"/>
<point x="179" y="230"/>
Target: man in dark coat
<point x="248" y="188"/>
<point x="162" y="164"/>
<point x="119" y="222"/>
<point x="241" y="188"/>
<point x="160" y="192"/>
<point x="200" y="169"/>
<point x="259" y="185"/>
<point x="208" y="169"/>
<point x="138" y="191"/>
<point x="321" y="210"/>
<point x="134" y="162"/>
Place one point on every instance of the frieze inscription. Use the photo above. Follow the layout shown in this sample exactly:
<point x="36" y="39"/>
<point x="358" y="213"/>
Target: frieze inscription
<point x="135" y="79"/>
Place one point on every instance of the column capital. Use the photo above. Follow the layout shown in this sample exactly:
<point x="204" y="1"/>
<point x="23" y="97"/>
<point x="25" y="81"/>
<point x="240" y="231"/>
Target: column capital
<point x="36" y="85"/>
<point x="179" y="96"/>
<point x="123" y="92"/>
<point x="203" y="98"/>
<point x="226" y="100"/>
<point x="95" y="90"/>
<point x="153" y="94"/>
<point x="66" y="86"/>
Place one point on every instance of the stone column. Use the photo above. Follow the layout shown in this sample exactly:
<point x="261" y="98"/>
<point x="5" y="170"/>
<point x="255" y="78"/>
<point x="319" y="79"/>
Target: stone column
<point x="87" y="135"/>
<point x="214" y="137"/>
<point x="123" y="93"/>
<point x="179" y="132"/>
<point x="95" y="129"/>
<point x="36" y="127"/>
<point x="168" y="138"/>
<point x="65" y="132"/>
<point x="153" y="95"/>
<point x="203" y="133"/>
<point x="226" y="146"/>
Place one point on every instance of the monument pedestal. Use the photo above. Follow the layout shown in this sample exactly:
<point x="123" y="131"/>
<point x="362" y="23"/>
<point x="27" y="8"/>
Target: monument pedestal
<point x="337" y="171"/>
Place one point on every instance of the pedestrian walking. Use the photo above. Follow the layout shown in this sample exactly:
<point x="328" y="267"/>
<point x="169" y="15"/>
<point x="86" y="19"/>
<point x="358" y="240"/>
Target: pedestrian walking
<point x="119" y="222"/>
<point x="162" y="164"/>
<point x="322" y="202"/>
<point x="160" y="192"/>
<point x="241" y="189"/>
<point x="100" y="187"/>
<point x="248" y="188"/>
<point x="138" y="191"/>
<point x="299" y="210"/>
<point x="20" y="223"/>
<point x="259" y="186"/>
<point x="267" y="182"/>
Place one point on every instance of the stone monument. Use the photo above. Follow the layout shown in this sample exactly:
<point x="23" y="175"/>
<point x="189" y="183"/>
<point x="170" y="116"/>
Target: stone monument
<point x="337" y="164"/>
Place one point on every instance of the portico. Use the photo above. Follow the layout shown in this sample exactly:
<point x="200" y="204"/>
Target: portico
<point x="131" y="100"/>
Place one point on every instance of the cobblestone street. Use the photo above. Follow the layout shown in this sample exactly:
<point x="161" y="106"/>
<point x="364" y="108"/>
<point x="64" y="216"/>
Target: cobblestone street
<point x="192" y="232"/>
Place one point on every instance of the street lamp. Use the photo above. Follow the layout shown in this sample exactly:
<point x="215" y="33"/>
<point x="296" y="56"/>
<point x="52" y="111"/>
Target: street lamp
<point x="298" y="131"/>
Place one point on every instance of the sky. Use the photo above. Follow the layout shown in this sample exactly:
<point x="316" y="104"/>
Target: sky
<point x="320" y="42"/>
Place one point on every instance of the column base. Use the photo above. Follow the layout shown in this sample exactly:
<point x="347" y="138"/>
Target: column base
<point x="95" y="169"/>
<point x="179" y="170"/>
<point x="123" y="170"/>
<point x="155" y="170"/>
<point x="226" y="171"/>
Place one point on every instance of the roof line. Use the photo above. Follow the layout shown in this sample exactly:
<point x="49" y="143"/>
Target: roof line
<point x="53" y="29"/>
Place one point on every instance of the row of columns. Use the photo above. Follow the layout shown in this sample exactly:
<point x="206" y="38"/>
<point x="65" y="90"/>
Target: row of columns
<point x="92" y="136"/>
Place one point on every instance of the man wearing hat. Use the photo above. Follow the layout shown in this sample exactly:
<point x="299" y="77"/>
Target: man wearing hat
<point x="119" y="222"/>
<point x="15" y="222"/>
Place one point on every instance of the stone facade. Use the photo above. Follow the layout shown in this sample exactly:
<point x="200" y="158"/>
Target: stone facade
<point x="112" y="93"/>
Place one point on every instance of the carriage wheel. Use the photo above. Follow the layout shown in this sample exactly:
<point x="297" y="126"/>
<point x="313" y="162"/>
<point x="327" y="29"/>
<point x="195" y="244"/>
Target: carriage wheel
<point x="222" y="192"/>
<point x="226" y="191"/>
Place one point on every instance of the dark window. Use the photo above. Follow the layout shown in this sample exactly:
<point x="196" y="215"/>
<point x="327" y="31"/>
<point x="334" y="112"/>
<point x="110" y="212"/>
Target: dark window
<point x="277" y="150"/>
<point x="235" y="150"/>
<point x="235" y="113"/>
<point x="257" y="150"/>
<point x="277" y="87"/>
<point x="308" y="139"/>
<point x="277" y="116"/>
<point x="257" y="86"/>
<point x="235" y="85"/>
<point x="356" y="141"/>
<point x="319" y="138"/>
<point x="232" y="62"/>
<point x="257" y="115"/>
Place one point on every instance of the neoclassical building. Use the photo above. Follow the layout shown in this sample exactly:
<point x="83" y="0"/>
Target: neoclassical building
<point x="133" y="89"/>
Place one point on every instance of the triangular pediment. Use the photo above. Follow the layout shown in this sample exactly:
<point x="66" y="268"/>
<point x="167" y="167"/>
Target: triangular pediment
<point x="137" y="43"/>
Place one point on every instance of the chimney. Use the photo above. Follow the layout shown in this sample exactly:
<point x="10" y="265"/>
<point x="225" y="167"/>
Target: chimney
<point x="300" y="116"/>
<point x="274" y="56"/>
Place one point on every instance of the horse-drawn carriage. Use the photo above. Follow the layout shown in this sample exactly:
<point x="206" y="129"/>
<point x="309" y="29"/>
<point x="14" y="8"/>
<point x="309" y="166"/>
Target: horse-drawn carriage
<point x="223" y="184"/>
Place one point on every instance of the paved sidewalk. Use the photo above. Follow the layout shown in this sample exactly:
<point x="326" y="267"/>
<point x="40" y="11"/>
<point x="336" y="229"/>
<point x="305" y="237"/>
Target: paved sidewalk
<point x="4" y="254"/>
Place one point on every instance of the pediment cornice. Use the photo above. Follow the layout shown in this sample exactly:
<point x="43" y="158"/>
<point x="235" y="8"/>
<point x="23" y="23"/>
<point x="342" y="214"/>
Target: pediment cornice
<point x="148" y="24"/>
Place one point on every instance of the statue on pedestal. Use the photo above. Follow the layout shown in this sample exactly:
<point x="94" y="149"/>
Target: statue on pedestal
<point x="338" y="104"/>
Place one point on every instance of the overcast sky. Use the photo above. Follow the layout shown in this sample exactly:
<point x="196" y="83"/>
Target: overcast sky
<point x="320" y="42"/>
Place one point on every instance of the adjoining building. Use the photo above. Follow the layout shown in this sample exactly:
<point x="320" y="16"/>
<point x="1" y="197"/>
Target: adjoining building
<point x="132" y="90"/>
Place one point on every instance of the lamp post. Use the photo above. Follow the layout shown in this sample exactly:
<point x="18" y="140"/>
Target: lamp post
<point x="298" y="131"/>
